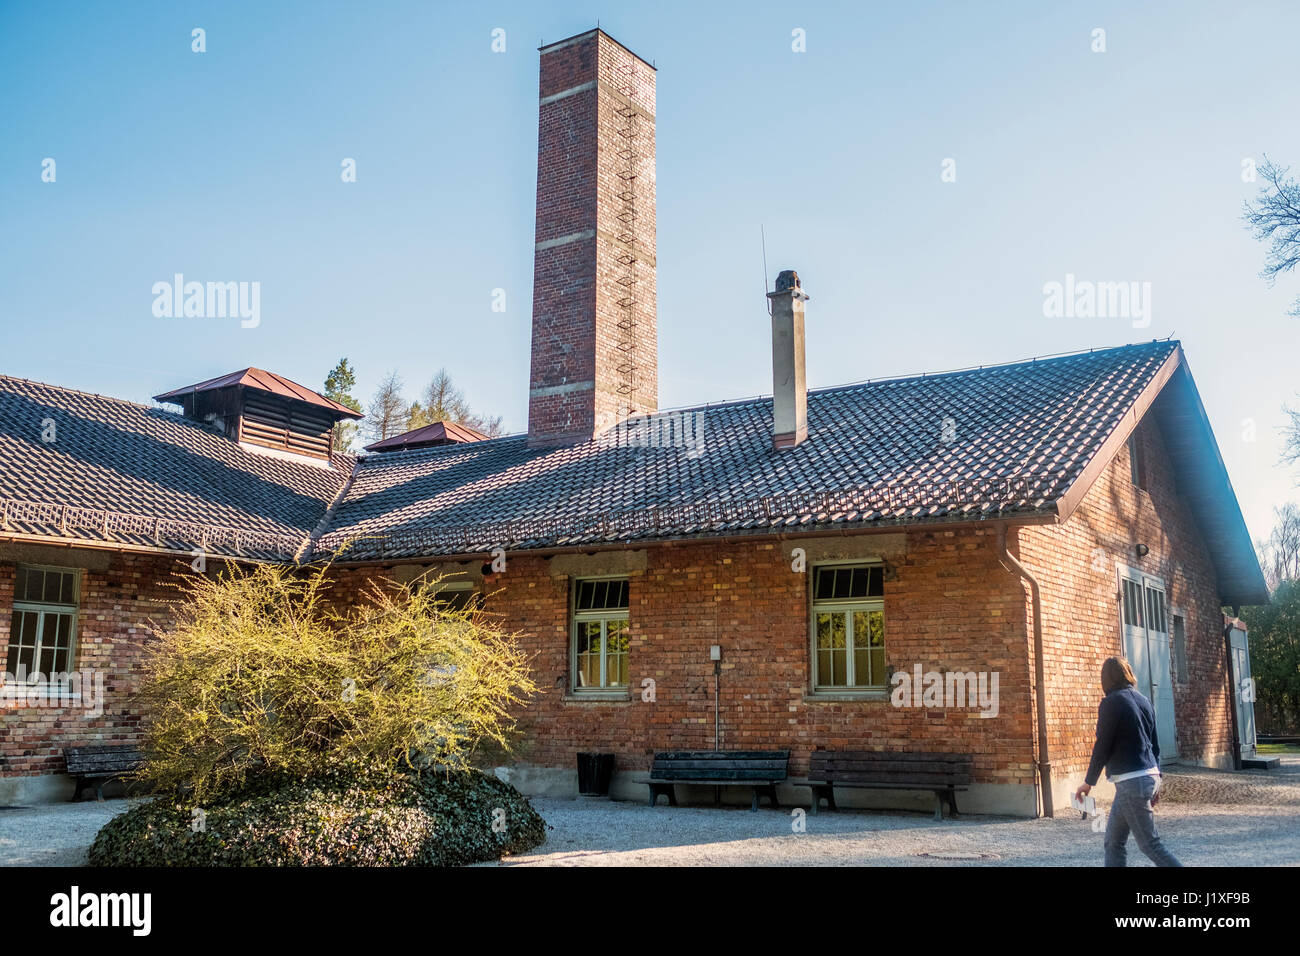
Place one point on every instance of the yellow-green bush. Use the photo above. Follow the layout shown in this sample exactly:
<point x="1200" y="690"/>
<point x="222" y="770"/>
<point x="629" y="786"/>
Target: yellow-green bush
<point x="263" y="674"/>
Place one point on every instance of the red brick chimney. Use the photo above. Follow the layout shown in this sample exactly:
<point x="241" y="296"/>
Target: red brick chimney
<point x="595" y="335"/>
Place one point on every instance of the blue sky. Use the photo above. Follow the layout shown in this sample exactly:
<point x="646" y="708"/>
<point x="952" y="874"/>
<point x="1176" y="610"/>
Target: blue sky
<point x="1116" y="166"/>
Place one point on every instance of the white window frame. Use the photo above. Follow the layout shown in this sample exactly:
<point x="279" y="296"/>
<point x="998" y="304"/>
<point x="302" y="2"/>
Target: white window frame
<point x="1145" y="581"/>
<point x="604" y="616"/>
<point x="42" y="608"/>
<point x="847" y="606"/>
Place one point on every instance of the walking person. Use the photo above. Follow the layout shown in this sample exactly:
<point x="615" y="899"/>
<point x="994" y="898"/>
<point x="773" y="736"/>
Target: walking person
<point x="1127" y="746"/>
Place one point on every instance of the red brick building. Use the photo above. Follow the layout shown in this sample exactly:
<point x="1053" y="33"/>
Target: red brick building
<point x="999" y="530"/>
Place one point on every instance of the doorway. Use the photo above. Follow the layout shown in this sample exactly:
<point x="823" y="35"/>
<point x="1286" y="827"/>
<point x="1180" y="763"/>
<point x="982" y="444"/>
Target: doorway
<point x="1145" y="624"/>
<point x="1243" y="687"/>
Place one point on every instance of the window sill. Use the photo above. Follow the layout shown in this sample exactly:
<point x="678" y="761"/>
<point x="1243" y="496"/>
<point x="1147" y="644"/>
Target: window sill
<point x="846" y="697"/>
<point x="598" y="697"/>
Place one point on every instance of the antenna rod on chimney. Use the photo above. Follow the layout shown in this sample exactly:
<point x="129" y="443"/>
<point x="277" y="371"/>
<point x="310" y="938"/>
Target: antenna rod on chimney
<point x="763" y="238"/>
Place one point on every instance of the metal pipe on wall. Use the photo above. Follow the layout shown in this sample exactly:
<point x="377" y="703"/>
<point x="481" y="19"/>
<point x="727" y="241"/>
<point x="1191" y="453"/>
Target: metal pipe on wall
<point x="1040" y="688"/>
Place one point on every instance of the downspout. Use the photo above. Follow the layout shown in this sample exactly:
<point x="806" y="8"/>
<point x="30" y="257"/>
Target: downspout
<point x="717" y="686"/>
<point x="1040" y="688"/>
<point x="1233" y="689"/>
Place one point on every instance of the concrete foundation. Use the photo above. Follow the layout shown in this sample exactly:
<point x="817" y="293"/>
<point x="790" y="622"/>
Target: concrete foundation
<point x="986" y="798"/>
<point x="50" y="788"/>
<point x="27" y="791"/>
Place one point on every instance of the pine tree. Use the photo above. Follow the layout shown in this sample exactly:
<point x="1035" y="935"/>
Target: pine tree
<point x="338" y="388"/>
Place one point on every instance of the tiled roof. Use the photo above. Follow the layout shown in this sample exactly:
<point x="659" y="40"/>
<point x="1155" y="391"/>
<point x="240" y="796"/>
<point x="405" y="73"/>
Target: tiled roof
<point x="1003" y="441"/>
<point x="1018" y="441"/>
<point x="85" y="466"/>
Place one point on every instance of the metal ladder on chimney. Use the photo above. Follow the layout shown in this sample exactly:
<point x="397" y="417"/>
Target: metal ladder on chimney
<point x="627" y="237"/>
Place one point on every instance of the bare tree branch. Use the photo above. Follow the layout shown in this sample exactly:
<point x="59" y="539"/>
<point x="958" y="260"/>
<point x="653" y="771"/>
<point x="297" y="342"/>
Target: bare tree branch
<point x="444" y="402"/>
<point x="1279" y="556"/>
<point x="388" y="410"/>
<point x="1274" y="218"/>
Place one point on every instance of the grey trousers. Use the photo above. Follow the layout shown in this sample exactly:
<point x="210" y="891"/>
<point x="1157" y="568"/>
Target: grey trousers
<point x="1131" y="813"/>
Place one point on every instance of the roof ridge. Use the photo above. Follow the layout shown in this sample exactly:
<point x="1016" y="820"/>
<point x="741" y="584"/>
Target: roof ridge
<point x="826" y="389"/>
<point x="155" y="407"/>
<point x="322" y="526"/>
<point x="917" y="376"/>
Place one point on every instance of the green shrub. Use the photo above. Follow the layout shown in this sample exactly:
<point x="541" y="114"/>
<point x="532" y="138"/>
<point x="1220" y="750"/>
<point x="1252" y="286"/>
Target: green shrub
<point x="431" y="817"/>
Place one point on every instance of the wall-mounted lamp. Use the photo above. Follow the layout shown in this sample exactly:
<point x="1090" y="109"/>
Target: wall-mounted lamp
<point x="1142" y="550"/>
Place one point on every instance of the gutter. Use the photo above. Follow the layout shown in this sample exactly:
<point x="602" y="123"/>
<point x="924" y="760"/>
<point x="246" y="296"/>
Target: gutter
<point x="93" y="544"/>
<point x="642" y="544"/>
<point x="305" y="548"/>
<point x="1040" y="686"/>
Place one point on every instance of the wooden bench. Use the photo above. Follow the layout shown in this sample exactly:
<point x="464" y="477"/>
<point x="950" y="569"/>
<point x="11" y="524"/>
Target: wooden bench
<point x="96" y="766"/>
<point x="942" y="774"/>
<point x="760" y="770"/>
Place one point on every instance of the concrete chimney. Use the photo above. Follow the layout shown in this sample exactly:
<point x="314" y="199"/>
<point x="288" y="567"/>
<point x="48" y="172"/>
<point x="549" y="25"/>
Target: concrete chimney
<point x="789" y="381"/>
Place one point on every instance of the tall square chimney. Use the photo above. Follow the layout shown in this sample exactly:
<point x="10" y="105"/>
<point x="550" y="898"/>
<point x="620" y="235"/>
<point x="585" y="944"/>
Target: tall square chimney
<point x="789" y="377"/>
<point x="595" y="335"/>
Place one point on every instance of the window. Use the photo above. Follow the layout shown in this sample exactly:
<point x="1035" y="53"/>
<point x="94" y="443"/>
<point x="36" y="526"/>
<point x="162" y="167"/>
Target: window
<point x="42" y="632"/>
<point x="848" y="627"/>
<point x="1156" y="610"/>
<point x="1132" y="593"/>
<point x="1136" y="461"/>
<point x="1180" y="649"/>
<point x="458" y="597"/>
<point x="454" y="595"/>
<point x="600" y="635"/>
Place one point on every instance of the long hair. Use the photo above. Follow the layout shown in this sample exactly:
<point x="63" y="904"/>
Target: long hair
<point x="1116" y="674"/>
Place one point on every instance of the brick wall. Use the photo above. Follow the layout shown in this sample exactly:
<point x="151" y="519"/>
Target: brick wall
<point x="119" y="595"/>
<point x="594" y="310"/>
<point x="1076" y="568"/>
<point x="949" y="605"/>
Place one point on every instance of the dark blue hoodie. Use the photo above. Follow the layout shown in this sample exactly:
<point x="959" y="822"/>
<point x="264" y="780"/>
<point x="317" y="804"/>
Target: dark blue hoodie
<point x="1126" y="736"/>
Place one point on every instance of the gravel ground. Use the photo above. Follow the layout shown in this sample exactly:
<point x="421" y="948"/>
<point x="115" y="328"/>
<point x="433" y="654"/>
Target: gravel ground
<point x="56" y="834"/>
<point x="1207" y="817"/>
